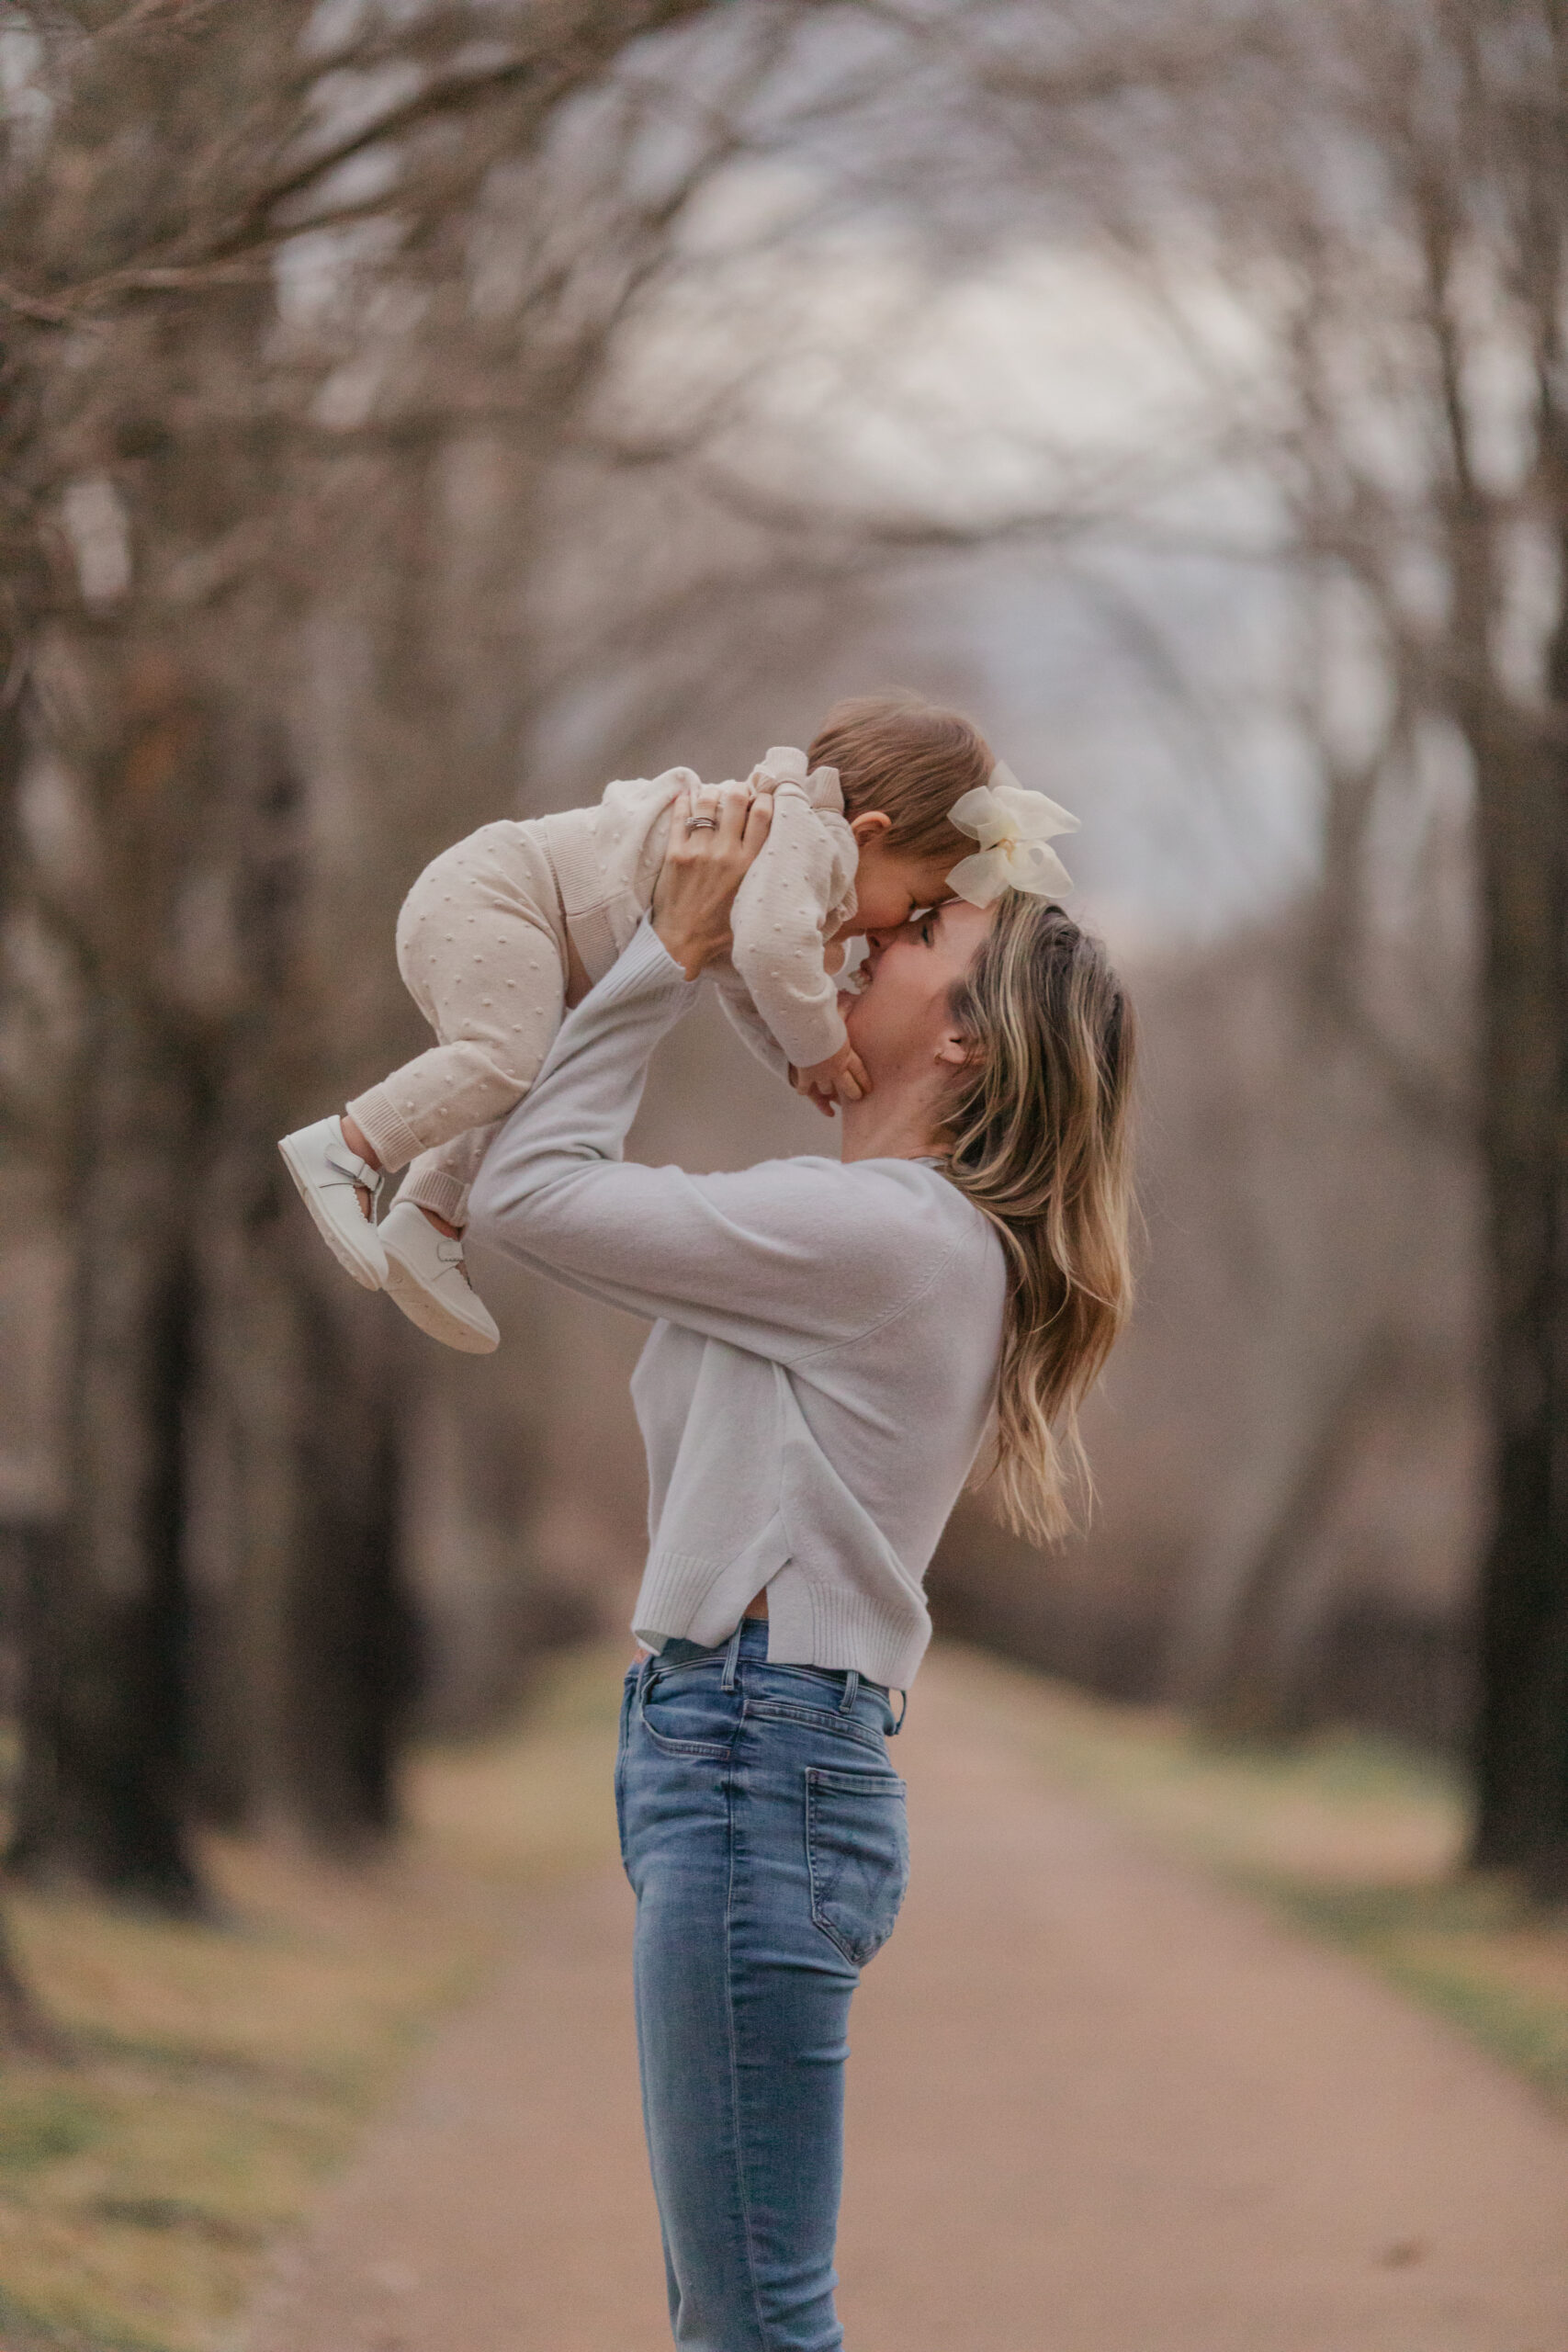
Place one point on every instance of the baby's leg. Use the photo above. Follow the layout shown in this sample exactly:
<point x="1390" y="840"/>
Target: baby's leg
<point x="480" y="956"/>
<point x="440" y="1180"/>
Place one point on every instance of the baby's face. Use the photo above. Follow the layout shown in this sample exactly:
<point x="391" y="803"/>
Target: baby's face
<point x="890" y="883"/>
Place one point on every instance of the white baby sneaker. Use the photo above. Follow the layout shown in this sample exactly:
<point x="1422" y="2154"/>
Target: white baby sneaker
<point x="329" y="1175"/>
<point x="427" y="1277"/>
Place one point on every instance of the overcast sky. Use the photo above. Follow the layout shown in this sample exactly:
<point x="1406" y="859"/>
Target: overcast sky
<point x="1131" y="663"/>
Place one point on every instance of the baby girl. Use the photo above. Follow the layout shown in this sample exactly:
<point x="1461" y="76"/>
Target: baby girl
<point x="505" y="930"/>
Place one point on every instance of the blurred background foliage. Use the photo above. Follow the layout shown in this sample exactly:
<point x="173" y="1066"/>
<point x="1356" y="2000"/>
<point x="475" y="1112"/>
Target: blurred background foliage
<point x="419" y="413"/>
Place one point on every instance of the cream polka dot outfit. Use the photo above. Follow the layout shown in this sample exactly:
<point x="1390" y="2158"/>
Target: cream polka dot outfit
<point x="485" y="934"/>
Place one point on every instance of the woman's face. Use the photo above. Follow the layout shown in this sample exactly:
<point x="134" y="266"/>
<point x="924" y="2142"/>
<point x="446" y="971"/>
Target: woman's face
<point x="899" y="1024"/>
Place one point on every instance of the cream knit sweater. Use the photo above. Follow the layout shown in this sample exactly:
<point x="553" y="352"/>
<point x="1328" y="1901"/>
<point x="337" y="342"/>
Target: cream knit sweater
<point x="824" y="1354"/>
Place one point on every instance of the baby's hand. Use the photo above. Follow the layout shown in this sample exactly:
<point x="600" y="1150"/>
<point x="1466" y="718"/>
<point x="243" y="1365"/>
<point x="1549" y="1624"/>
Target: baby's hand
<point x="842" y="1078"/>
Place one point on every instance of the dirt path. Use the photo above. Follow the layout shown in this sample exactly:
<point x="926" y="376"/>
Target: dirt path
<point x="1097" y="2105"/>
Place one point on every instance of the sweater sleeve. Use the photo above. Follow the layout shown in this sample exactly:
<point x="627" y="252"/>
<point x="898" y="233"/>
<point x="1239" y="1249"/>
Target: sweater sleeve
<point x="740" y="1011"/>
<point x="783" y="910"/>
<point x="784" y="1259"/>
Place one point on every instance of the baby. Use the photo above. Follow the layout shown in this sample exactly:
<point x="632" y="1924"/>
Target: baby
<point x="506" y="929"/>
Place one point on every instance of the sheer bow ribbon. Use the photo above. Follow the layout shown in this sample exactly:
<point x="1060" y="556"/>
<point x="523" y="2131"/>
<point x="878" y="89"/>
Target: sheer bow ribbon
<point x="1013" y="828"/>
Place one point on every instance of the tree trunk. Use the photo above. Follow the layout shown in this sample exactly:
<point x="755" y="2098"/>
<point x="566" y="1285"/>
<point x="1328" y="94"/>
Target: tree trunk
<point x="1522" y="1734"/>
<point x="1256" y="1689"/>
<point x="25" y="2031"/>
<point x="352" y="1631"/>
<point x="101" y="1785"/>
<point x="302" y="1640"/>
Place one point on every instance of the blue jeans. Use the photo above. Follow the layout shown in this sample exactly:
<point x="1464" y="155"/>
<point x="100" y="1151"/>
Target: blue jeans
<point x="762" y="1829"/>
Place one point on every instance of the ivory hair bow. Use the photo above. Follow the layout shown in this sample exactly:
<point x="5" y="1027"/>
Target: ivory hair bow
<point x="1013" y="828"/>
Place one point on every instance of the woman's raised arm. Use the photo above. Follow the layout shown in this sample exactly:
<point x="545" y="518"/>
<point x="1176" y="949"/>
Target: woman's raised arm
<point x="783" y="1259"/>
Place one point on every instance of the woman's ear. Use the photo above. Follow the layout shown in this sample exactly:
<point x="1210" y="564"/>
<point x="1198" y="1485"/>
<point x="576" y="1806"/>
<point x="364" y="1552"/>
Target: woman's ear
<point x="955" y="1051"/>
<point x="870" y="826"/>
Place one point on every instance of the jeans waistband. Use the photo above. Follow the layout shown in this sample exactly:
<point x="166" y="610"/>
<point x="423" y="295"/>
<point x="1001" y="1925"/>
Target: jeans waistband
<point x="753" y="1634"/>
<point x="748" y="1644"/>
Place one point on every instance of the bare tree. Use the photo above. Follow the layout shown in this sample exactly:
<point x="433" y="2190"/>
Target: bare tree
<point x="342" y="496"/>
<point x="1421" y="241"/>
<point x="167" y="167"/>
<point x="1352" y="221"/>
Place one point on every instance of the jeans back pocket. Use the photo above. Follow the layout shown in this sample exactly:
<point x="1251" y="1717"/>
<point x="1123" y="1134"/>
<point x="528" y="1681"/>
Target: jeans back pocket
<point x="857" y="1848"/>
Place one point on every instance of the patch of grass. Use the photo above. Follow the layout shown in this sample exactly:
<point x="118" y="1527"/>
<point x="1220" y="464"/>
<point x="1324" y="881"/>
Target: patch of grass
<point x="222" y="2067"/>
<point x="40" y="2120"/>
<point x="1469" y="1947"/>
<point x="26" y="2330"/>
<point x="1356" y="1839"/>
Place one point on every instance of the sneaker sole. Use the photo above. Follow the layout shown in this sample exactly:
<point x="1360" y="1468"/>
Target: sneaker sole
<point x="430" y="1316"/>
<point x="368" y="1267"/>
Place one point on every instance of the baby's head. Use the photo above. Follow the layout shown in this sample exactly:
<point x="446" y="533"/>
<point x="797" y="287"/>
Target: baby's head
<point x="902" y="763"/>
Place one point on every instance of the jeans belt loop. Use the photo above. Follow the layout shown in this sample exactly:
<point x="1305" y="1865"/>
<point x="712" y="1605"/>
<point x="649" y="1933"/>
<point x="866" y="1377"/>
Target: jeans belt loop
<point x="893" y="1729"/>
<point x="732" y="1657"/>
<point x="851" y="1692"/>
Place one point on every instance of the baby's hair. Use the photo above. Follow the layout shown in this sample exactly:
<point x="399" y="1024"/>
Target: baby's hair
<point x="910" y="758"/>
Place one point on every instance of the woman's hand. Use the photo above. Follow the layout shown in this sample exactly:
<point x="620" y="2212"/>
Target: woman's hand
<point x="715" y="833"/>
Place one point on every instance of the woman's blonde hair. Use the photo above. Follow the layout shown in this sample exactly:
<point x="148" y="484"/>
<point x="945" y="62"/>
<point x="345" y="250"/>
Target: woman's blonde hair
<point x="1038" y="1139"/>
<point x="909" y="758"/>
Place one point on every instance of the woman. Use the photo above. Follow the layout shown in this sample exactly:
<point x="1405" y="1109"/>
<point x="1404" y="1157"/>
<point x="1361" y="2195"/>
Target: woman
<point x="831" y="1341"/>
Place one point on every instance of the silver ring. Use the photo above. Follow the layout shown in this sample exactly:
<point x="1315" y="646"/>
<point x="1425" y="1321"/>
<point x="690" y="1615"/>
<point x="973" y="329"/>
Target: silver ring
<point x="702" y="824"/>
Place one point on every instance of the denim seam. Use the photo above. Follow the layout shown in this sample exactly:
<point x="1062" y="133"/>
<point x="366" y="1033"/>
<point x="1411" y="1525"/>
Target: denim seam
<point x="852" y="1783"/>
<point x="713" y="1750"/>
<point x="819" y="1719"/>
<point x="818" y="1921"/>
<point x="742" y="2182"/>
<point x="715" y="1664"/>
<point x="623" y="1743"/>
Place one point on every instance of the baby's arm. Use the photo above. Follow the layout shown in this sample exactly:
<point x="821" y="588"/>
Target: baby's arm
<point x="782" y="907"/>
<point x="842" y="1078"/>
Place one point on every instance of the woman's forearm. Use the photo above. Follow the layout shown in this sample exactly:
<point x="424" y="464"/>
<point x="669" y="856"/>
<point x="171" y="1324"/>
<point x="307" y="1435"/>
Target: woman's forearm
<point x="779" y="1259"/>
<point x="577" y="1112"/>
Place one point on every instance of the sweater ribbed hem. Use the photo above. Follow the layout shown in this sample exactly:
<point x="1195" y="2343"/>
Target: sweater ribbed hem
<point x="831" y="1625"/>
<point x="838" y="1626"/>
<point x="391" y="1137"/>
